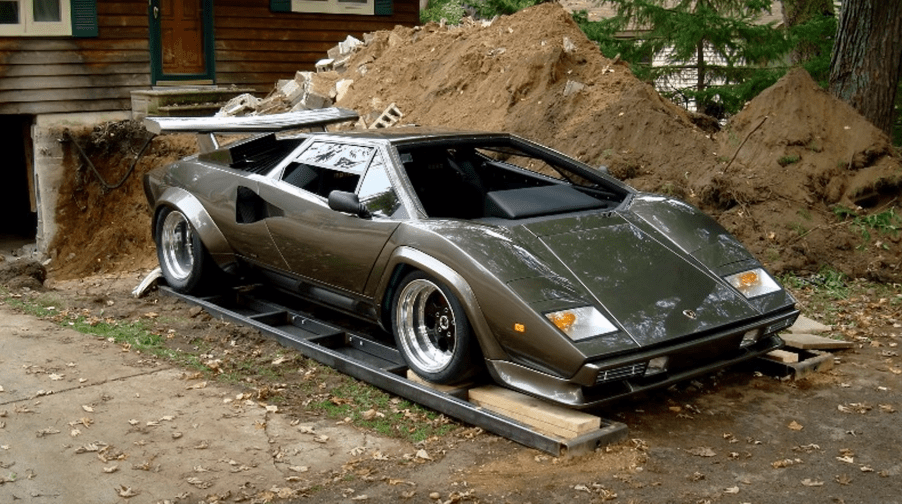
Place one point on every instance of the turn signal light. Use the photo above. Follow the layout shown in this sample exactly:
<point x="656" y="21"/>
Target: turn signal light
<point x="563" y="320"/>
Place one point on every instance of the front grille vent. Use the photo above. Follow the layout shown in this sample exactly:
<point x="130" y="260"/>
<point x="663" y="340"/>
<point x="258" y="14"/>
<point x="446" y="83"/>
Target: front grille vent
<point x="621" y="373"/>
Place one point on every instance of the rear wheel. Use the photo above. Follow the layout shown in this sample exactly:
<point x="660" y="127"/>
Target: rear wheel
<point x="184" y="261"/>
<point x="432" y="331"/>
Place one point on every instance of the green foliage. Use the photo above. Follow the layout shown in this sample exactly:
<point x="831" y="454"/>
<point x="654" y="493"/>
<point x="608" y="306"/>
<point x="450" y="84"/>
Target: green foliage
<point x="788" y="160"/>
<point x="885" y="222"/>
<point x="750" y="56"/>
<point x="827" y="283"/>
<point x="452" y="11"/>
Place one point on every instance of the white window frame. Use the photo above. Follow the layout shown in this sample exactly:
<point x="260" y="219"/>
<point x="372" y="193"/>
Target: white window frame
<point x="365" y="7"/>
<point x="28" y="27"/>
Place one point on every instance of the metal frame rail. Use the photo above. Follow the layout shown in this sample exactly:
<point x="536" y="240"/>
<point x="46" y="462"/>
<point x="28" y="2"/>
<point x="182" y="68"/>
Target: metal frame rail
<point x="361" y="356"/>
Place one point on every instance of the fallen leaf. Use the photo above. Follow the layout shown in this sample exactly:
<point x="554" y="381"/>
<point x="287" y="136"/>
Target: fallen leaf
<point x="582" y="488"/>
<point x="322" y="438"/>
<point x="298" y="469"/>
<point x="359" y="450"/>
<point x="423" y="455"/>
<point x="126" y="492"/>
<point x="87" y="408"/>
<point x="199" y="483"/>
<point x="56" y="377"/>
<point x="702" y="451"/>
<point x="731" y="490"/>
<point x="197" y="386"/>
<point x="111" y="469"/>
<point x="306" y="429"/>
<point x="808" y="482"/>
<point x="848" y="460"/>
<point x="843" y="479"/>
<point x="272" y="408"/>
<point x="795" y="426"/>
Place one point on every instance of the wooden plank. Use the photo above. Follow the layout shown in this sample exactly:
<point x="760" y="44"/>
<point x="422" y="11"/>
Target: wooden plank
<point x="51" y="95"/>
<point x="58" y="107"/>
<point x="782" y="356"/>
<point x="73" y="70"/>
<point x="72" y="83"/>
<point x="542" y="416"/>
<point x="813" y="342"/>
<point x="109" y="57"/>
<point x="448" y="389"/>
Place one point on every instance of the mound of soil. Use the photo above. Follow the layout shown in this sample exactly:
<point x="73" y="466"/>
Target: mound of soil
<point x="535" y="74"/>
<point x="102" y="229"/>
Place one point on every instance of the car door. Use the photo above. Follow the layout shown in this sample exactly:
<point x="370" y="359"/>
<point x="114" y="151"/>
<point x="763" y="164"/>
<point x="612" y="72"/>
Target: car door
<point x="319" y="243"/>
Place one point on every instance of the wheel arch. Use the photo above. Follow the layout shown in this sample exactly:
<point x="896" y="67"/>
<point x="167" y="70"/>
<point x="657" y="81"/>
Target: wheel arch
<point x="175" y="198"/>
<point x="407" y="259"/>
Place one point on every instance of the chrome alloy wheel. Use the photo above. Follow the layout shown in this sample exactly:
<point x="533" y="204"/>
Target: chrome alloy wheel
<point x="177" y="243"/>
<point x="426" y="326"/>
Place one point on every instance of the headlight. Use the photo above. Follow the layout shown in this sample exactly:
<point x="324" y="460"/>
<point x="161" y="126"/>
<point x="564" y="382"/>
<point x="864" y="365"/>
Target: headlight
<point x="753" y="283"/>
<point x="581" y="323"/>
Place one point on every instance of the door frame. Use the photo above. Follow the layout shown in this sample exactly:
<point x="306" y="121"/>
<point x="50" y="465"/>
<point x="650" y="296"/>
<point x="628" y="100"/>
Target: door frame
<point x="156" y="47"/>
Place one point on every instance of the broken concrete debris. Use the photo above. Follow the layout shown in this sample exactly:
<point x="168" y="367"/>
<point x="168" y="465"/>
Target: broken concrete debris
<point x="388" y="118"/>
<point x="300" y="93"/>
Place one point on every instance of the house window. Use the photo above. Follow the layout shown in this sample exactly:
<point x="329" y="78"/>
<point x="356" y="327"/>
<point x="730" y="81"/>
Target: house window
<point x="35" y="18"/>
<point x="364" y="7"/>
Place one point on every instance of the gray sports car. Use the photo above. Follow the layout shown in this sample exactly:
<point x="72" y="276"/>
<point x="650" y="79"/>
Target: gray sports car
<point x="478" y="252"/>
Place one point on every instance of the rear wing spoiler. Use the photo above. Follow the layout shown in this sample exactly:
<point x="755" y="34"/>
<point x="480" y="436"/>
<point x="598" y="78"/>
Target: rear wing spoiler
<point x="206" y="127"/>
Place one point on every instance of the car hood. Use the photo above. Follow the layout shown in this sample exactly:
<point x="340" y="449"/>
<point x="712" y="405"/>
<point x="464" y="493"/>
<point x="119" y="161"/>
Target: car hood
<point x="648" y="284"/>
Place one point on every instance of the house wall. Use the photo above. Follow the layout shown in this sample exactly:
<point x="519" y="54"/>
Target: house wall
<point x="256" y="47"/>
<point x="64" y="74"/>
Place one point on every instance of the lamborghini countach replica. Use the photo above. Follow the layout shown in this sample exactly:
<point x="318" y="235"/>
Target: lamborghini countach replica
<point x="477" y="253"/>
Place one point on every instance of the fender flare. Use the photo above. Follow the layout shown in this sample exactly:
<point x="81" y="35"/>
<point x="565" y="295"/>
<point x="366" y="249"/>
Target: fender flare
<point x="211" y="236"/>
<point x="415" y="259"/>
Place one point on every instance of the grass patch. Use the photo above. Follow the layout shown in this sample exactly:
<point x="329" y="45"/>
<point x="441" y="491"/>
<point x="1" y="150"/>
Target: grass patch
<point x="369" y="407"/>
<point x="788" y="160"/>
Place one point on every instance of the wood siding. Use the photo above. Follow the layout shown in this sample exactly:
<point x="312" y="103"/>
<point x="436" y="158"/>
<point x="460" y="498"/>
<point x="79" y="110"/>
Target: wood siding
<point x="254" y="48"/>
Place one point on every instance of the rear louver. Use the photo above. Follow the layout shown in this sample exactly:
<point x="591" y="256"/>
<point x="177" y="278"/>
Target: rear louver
<point x="621" y="373"/>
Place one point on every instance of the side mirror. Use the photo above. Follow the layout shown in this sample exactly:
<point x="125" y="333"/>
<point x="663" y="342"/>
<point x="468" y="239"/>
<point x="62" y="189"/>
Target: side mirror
<point x="347" y="202"/>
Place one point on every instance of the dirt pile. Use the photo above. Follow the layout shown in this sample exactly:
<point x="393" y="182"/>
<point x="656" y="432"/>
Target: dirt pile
<point x="105" y="229"/>
<point x="535" y="74"/>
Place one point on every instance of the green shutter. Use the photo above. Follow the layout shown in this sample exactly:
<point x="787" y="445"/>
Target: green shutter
<point x="84" y="18"/>
<point x="383" y="7"/>
<point x="280" y="5"/>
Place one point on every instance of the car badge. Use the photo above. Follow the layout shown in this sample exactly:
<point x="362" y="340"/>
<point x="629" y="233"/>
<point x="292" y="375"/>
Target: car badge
<point x="689" y="313"/>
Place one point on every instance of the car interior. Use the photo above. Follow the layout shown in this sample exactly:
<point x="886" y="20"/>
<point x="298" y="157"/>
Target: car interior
<point x="468" y="183"/>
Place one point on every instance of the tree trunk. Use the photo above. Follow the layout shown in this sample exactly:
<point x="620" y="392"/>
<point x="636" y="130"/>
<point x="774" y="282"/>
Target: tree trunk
<point x="796" y="12"/>
<point x="867" y="58"/>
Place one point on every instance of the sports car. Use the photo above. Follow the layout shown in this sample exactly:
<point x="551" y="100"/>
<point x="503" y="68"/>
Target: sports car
<point x="481" y="255"/>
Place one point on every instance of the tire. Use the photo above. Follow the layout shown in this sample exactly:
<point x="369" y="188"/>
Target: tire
<point x="184" y="261"/>
<point x="432" y="331"/>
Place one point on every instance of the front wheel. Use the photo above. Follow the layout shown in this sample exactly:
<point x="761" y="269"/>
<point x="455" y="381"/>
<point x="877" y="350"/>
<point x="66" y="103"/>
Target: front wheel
<point x="184" y="260"/>
<point x="432" y="331"/>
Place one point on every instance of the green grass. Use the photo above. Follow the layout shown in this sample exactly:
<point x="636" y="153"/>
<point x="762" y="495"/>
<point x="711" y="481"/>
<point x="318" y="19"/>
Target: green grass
<point x="375" y="409"/>
<point x="788" y="160"/>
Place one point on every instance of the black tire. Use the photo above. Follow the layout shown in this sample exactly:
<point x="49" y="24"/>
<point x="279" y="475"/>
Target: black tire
<point x="184" y="261"/>
<point x="432" y="331"/>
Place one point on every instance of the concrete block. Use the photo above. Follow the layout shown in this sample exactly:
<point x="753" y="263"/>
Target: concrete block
<point x="573" y="87"/>
<point x="342" y="87"/>
<point x="806" y="325"/>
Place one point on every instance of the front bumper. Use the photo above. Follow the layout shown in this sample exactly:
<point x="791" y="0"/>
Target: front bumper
<point x="603" y="381"/>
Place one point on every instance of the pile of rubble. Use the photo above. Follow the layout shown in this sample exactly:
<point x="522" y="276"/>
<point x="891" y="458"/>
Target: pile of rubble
<point x="304" y="92"/>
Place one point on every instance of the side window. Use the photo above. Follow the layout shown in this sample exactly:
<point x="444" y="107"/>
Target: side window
<point x="325" y="167"/>
<point x="377" y="193"/>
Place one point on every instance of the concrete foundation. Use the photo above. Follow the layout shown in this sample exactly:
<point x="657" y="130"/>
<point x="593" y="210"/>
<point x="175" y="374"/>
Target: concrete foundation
<point x="46" y="134"/>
